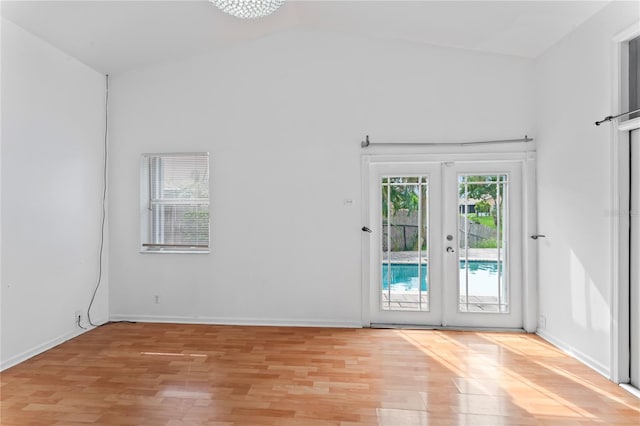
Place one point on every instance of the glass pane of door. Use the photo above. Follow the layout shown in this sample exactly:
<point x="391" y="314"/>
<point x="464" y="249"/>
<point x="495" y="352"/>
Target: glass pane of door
<point x="404" y="273"/>
<point x="482" y="235"/>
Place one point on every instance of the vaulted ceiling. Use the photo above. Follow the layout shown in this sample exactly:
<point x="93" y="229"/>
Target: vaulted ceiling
<point x="114" y="36"/>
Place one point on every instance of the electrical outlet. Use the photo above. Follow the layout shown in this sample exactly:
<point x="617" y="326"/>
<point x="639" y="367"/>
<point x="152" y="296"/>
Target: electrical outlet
<point x="542" y="322"/>
<point x="78" y="318"/>
<point x="156" y="299"/>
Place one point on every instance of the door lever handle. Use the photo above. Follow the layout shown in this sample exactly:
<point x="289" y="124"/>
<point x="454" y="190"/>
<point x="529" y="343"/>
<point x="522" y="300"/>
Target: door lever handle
<point x="365" y="229"/>
<point x="450" y="250"/>
<point x="536" y="236"/>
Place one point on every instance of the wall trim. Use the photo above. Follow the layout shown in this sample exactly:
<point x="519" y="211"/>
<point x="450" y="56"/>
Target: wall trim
<point x="273" y="322"/>
<point x="629" y="125"/>
<point x="576" y="353"/>
<point x="631" y="389"/>
<point x="38" y="349"/>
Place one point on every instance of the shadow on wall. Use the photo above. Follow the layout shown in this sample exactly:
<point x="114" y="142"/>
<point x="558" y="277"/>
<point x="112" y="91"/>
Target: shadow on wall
<point x="585" y="297"/>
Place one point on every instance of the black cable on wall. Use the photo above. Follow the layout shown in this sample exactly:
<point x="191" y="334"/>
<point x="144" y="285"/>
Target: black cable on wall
<point x="104" y="200"/>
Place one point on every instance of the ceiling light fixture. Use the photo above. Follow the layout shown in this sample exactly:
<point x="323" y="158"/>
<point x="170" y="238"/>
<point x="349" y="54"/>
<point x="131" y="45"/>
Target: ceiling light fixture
<point x="248" y="9"/>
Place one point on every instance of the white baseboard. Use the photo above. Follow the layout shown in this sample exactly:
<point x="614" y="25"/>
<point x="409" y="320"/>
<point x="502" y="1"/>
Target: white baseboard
<point x="236" y="321"/>
<point x="576" y="353"/>
<point x="38" y="349"/>
<point x="631" y="389"/>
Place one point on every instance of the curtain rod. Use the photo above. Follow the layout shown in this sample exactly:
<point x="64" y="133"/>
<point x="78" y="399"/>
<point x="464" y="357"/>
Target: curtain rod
<point x="365" y="143"/>
<point x="613" y="117"/>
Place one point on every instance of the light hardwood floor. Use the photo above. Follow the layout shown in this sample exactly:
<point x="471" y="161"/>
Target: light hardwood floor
<point x="170" y="374"/>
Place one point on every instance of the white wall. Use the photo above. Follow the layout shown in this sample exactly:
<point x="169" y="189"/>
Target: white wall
<point x="52" y="130"/>
<point x="574" y="87"/>
<point x="283" y="118"/>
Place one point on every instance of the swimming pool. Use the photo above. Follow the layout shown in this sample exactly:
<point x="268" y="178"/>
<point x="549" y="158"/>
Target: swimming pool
<point x="404" y="276"/>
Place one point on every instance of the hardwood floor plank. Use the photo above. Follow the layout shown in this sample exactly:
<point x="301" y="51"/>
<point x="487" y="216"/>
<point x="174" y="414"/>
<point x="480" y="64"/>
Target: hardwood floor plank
<point x="177" y="375"/>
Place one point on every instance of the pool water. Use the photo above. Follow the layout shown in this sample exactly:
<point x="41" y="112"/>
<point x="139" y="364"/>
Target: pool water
<point x="404" y="276"/>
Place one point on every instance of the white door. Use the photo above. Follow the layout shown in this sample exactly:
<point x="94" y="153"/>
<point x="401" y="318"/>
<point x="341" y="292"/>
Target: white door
<point x="483" y="253"/>
<point x="634" y="304"/>
<point x="445" y="247"/>
<point x="405" y="202"/>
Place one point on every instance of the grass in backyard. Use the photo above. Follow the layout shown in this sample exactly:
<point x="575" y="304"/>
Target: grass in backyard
<point x="483" y="220"/>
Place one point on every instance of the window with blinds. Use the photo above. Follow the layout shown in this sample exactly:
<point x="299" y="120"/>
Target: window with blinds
<point x="175" y="202"/>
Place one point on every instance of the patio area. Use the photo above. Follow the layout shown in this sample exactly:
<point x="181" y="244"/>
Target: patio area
<point x="490" y="254"/>
<point x="414" y="302"/>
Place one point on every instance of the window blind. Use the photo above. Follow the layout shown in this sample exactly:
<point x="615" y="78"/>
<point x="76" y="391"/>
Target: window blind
<point x="178" y="202"/>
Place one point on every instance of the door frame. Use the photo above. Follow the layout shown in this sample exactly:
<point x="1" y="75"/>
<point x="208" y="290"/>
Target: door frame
<point x="619" y="161"/>
<point x="529" y="219"/>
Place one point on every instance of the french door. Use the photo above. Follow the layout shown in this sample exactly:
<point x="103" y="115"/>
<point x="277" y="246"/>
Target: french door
<point x="445" y="247"/>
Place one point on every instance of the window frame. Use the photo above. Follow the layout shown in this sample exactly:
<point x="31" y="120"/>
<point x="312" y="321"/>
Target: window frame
<point x="146" y="220"/>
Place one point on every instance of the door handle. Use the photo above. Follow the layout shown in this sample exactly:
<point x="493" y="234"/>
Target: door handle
<point x="365" y="229"/>
<point x="450" y="250"/>
<point x="536" y="236"/>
